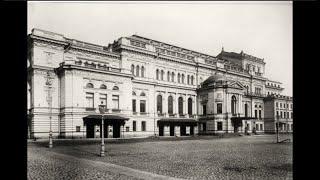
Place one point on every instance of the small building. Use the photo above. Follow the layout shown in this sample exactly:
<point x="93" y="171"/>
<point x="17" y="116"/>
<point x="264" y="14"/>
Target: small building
<point x="278" y="110"/>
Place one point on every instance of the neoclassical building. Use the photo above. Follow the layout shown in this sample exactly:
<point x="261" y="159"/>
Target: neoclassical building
<point x="148" y="88"/>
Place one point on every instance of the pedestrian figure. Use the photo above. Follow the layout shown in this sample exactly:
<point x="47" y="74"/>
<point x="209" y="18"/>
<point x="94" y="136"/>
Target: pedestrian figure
<point x="254" y="130"/>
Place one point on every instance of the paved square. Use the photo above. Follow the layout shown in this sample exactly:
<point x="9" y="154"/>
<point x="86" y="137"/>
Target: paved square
<point x="249" y="157"/>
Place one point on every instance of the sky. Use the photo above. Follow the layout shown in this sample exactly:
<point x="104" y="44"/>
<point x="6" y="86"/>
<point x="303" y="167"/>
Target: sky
<point x="261" y="29"/>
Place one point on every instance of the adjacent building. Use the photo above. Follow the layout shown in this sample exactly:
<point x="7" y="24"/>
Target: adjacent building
<point x="148" y="88"/>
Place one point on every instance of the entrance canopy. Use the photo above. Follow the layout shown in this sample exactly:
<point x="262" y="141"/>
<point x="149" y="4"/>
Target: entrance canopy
<point x="243" y="118"/>
<point x="237" y="121"/>
<point x="108" y="119"/>
<point x="177" y="121"/>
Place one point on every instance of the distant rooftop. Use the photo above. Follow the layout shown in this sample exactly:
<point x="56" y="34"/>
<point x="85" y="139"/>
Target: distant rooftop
<point x="225" y="55"/>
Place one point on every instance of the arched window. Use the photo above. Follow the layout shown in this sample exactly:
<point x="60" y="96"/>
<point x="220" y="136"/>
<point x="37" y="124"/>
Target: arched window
<point x="182" y="79"/>
<point x="172" y="76"/>
<point x="159" y="103"/>
<point x="162" y="74"/>
<point x="157" y="74"/>
<point x="188" y="79"/>
<point x="246" y="110"/>
<point x="180" y="105"/>
<point x="132" y="69"/>
<point x="170" y="105"/>
<point x="89" y="85"/>
<point x="142" y="94"/>
<point x="233" y="105"/>
<point x="168" y="76"/>
<point x="247" y="88"/>
<point x="103" y="86"/>
<point x="137" y="70"/>
<point x="115" y="88"/>
<point x="178" y="77"/>
<point x="191" y="80"/>
<point x="190" y="106"/>
<point x="142" y="71"/>
<point x="134" y="93"/>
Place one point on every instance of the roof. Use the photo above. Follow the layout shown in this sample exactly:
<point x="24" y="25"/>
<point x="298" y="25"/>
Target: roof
<point x="214" y="78"/>
<point x="229" y="54"/>
<point x="148" y="40"/>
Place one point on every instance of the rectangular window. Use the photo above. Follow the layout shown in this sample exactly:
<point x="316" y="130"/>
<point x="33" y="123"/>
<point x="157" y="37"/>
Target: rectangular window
<point x="255" y="113"/>
<point x="260" y="114"/>
<point x="89" y="98"/>
<point x="280" y="114"/>
<point x="134" y="105"/>
<point x="287" y="114"/>
<point x="142" y="105"/>
<point x="280" y="105"/>
<point x="277" y="113"/>
<point x="134" y="126"/>
<point x="291" y="115"/>
<point x="143" y="126"/>
<point x="219" y="126"/>
<point x="277" y="105"/>
<point x="219" y="108"/>
<point x="103" y="99"/>
<point x="115" y="101"/>
<point x="77" y="128"/>
<point x="127" y="129"/>
<point x="257" y="127"/>
<point x="204" y="107"/>
<point x="284" y="114"/>
<point x="261" y="127"/>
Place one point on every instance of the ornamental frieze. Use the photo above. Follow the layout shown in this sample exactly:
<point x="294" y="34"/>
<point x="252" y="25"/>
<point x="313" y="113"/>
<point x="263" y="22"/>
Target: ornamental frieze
<point x="47" y="45"/>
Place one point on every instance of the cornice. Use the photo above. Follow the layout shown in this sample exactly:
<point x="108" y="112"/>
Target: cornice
<point x="39" y="38"/>
<point x="115" y="56"/>
<point x="70" y="67"/>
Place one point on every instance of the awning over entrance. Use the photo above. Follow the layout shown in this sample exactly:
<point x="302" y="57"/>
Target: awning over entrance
<point x="243" y="118"/>
<point x="237" y="121"/>
<point x="115" y="121"/>
<point x="181" y="122"/>
<point x="177" y="121"/>
<point x="108" y="119"/>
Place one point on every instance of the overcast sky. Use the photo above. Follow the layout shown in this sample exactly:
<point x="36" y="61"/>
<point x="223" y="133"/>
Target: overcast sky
<point x="262" y="29"/>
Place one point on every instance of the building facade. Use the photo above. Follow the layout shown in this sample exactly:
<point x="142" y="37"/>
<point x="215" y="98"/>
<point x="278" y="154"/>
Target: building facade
<point x="159" y="88"/>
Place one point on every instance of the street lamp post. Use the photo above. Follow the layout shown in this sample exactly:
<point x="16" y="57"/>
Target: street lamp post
<point x="277" y="128"/>
<point x="102" y="111"/>
<point x="49" y="79"/>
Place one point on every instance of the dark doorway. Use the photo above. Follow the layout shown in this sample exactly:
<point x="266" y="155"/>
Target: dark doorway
<point x="204" y="126"/>
<point x="161" y="129"/>
<point x="191" y="130"/>
<point x="116" y="130"/>
<point x="90" y="130"/>
<point x="183" y="130"/>
<point x="171" y="130"/>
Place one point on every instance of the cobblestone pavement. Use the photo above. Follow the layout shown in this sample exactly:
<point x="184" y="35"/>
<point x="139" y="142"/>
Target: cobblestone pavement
<point x="46" y="164"/>
<point x="252" y="157"/>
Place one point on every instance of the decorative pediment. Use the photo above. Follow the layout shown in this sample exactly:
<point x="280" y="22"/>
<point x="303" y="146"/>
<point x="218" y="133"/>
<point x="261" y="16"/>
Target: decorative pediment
<point x="236" y="84"/>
